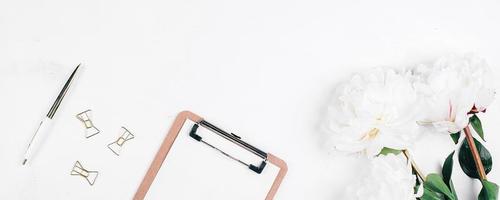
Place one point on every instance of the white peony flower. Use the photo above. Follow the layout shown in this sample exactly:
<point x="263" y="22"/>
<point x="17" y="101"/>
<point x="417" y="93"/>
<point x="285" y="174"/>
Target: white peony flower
<point x="373" y="110"/>
<point x="451" y="88"/>
<point x="386" y="178"/>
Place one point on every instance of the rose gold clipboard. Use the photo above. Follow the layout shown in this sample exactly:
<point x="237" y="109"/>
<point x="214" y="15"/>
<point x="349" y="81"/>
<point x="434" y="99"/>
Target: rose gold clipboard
<point x="169" y="141"/>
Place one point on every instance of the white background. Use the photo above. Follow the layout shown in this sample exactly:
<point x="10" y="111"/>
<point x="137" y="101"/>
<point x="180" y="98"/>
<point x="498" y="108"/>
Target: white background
<point x="263" y="69"/>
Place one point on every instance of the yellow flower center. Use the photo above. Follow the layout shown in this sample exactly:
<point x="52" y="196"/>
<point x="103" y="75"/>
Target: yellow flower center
<point x="370" y="135"/>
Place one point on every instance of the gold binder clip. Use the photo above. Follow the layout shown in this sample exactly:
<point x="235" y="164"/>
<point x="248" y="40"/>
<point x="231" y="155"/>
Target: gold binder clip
<point x="90" y="176"/>
<point x="90" y="129"/>
<point x="117" y="145"/>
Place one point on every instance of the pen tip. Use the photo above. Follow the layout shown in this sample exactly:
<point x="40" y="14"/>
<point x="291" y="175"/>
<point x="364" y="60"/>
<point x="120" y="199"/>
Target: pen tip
<point x="24" y="162"/>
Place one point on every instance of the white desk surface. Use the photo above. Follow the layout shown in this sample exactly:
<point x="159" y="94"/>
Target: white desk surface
<point x="246" y="65"/>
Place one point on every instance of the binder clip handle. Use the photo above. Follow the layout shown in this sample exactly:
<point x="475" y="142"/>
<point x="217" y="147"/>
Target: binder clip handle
<point x="258" y="169"/>
<point x="193" y="134"/>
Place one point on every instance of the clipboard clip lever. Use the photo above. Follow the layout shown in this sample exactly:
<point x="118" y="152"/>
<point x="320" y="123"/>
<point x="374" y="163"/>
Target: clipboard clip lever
<point x="258" y="169"/>
<point x="232" y="138"/>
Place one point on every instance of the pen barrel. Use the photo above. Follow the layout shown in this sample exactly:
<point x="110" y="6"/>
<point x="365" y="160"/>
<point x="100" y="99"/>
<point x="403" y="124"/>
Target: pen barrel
<point x="38" y="138"/>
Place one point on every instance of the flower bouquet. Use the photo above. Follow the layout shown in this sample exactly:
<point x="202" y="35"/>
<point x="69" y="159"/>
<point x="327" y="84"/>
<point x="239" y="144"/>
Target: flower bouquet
<point x="380" y="114"/>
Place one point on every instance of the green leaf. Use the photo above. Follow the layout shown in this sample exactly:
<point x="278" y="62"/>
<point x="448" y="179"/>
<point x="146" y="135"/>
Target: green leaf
<point x="455" y="136"/>
<point x="387" y="150"/>
<point x="434" y="185"/>
<point x="476" y="124"/>
<point x="448" y="169"/>
<point x="489" y="191"/>
<point x="453" y="191"/>
<point x="431" y="195"/>
<point x="467" y="161"/>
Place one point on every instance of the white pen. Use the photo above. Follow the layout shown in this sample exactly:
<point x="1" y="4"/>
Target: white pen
<point x="45" y="124"/>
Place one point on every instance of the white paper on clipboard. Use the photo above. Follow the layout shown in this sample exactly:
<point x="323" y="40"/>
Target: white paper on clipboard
<point x="193" y="170"/>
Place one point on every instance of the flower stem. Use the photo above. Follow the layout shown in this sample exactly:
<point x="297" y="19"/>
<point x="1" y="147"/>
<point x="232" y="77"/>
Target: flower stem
<point x="475" y="154"/>
<point x="414" y="165"/>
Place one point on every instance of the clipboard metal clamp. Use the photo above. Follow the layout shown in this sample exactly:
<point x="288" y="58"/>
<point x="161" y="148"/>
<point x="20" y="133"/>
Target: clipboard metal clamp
<point x="234" y="139"/>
